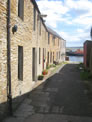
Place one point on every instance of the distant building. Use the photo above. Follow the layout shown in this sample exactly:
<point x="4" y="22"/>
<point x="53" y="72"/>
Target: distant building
<point x="56" y="47"/>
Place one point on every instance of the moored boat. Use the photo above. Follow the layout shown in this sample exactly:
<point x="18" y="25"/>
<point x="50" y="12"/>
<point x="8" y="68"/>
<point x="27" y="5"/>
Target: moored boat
<point x="75" y="53"/>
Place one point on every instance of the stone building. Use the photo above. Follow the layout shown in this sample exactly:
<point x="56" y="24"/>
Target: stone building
<point x="25" y="50"/>
<point x="3" y="57"/>
<point x="63" y="49"/>
<point x="56" y="47"/>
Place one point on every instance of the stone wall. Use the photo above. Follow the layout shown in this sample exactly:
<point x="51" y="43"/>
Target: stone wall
<point x="28" y="39"/>
<point x="3" y="57"/>
<point x="63" y="49"/>
<point x="23" y="37"/>
<point x="54" y="49"/>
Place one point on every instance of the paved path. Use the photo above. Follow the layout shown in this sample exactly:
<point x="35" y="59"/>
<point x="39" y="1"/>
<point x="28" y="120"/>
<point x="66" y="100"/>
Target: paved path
<point x="62" y="98"/>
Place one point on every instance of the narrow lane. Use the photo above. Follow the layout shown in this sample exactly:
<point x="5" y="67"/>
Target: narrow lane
<point x="63" y="93"/>
<point x="70" y="96"/>
<point x="62" y="98"/>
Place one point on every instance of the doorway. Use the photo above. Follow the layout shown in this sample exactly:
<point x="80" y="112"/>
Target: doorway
<point x="48" y="59"/>
<point x="43" y="59"/>
<point x="53" y="57"/>
<point x="34" y="64"/>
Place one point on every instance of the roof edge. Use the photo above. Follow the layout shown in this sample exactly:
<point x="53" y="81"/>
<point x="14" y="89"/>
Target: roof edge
<point x="57" y="35"/>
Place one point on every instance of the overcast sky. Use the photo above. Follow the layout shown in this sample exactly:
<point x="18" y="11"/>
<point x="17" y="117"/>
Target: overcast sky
<point x="72" y="19"/>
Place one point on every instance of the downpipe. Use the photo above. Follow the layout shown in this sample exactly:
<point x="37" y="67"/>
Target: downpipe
<point x="9" y="94"/>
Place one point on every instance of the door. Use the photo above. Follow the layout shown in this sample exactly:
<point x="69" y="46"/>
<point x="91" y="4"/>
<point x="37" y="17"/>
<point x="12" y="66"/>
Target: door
<point x="43" y="59"/>
<point x="53" y="57"/>
<point x="48" y="59"/>
<point x="34" y="64"/>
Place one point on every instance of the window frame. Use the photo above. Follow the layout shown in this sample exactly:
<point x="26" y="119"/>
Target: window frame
<point x="58" y="41"/>
<point x="48" y="38"/>
<point x="39" y="55"/>
<point x="40" y="24"/>
<point x="21" y="9"/>
<point x="54" y="40"/>
<point x="20" y="63"/>
<point x="34" y="18"/>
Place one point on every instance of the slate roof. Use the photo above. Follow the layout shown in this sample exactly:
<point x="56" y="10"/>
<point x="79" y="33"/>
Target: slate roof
<point x="47" y="28"/>
<point x="37" y="8"/>
<point x="54" y="33"/>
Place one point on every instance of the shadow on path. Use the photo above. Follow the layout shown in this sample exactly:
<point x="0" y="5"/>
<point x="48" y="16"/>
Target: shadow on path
<point x="63" y="93"/>
<point x="62" y="97"/>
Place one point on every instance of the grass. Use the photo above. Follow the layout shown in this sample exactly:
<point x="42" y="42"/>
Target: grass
<point x="81" y="65"/>
<point x="58" y="66"/>
<point x="52" y="65"/>
<point x="55" y="66"/>
<point x="88" y="85"/>
<point x="85" y="75"/>
<point x="48" y="67"/>
<point x="65" y="62"/>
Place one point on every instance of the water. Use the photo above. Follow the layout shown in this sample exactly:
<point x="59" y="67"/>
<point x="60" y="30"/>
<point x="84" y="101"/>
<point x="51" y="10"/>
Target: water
<point x="76" y="58"/>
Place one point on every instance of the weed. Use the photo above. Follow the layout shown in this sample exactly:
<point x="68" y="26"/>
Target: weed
<point x="85" y="75"/>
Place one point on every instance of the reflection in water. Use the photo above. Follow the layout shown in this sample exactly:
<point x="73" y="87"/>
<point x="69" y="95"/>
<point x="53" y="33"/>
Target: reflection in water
<point x="76" y="58"/>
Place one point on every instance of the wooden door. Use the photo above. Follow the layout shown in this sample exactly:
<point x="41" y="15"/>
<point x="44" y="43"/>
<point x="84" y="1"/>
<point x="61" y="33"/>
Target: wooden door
<point x="34" y="64"/>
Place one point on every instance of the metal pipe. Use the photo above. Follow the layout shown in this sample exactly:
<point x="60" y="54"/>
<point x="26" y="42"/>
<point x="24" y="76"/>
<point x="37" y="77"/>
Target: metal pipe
<point x="9" y="57"/>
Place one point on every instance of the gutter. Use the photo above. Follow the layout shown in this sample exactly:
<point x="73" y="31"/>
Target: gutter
<point x="9" y="93"/>
<point x="37" y="8"/>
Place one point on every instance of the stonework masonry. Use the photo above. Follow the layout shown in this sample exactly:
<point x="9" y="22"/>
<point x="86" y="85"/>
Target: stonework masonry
<point x="29" y="39"/>
<point x="3" y="56"/>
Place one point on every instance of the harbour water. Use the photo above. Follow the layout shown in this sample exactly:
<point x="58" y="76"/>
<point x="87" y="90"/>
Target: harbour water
<point x="76" y="58"/>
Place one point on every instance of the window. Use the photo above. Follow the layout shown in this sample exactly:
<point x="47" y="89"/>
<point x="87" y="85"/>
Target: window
<point x="54" y="40"/>
<point x="58" y="41"/>
<point x="64" y="44"/>
<point x="34" y="64"/>
<point x="21" y="9"/>
<point x="39" y="55"/>
<point x="59" y="54"/>
<point x="48" y="38"/>
<point x="34" y="25"/>
<point x="48" y="57"/>
<point x="51" y="57"/>
<point x="45" y="34"/>
<point x="20" y="62"/>
<point x="45" y="53"/>
<point x="40" y="28"/>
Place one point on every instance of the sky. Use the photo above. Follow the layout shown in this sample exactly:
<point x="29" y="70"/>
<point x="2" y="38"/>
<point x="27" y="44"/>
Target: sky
<point x="72" y="19"/>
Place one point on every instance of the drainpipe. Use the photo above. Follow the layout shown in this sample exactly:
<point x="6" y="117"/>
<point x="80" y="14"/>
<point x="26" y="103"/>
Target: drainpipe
<point x="9" y="58"/>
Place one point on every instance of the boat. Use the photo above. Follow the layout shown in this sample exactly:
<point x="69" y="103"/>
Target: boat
<point x="75" y="53"/>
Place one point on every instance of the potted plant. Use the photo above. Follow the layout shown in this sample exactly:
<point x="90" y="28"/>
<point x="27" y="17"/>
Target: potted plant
<point x="40" y="77"/>
<point x="45" y="72"/>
